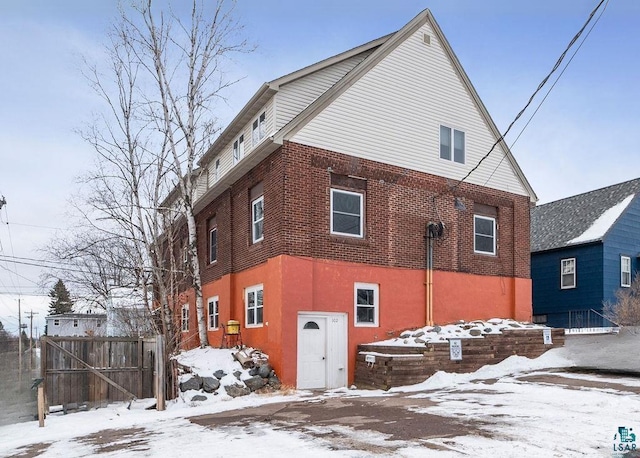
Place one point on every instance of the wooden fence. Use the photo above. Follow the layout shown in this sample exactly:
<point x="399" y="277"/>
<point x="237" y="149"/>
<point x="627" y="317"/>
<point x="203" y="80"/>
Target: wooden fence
<point x="95" y="371"/>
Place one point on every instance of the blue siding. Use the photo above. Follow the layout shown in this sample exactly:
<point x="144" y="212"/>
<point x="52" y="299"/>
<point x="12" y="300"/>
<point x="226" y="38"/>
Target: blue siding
<point x="622" y="240"/>
<point x="549" y="299"/>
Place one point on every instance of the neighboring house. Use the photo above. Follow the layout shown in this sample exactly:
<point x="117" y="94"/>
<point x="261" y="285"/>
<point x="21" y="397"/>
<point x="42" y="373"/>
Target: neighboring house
<point x="76" y="324"/>
<point x="313" y="207"/>
<point x="583" y="249"/>
<point x="127" y="313"/>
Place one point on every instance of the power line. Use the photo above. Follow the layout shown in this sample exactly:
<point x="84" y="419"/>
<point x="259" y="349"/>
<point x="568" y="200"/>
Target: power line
<point x="535" y="93"/>
<point x="548" y="92"/>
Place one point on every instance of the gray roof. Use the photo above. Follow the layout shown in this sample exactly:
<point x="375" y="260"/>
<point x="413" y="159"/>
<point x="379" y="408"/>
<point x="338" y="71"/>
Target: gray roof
<point x="556" y="224"/>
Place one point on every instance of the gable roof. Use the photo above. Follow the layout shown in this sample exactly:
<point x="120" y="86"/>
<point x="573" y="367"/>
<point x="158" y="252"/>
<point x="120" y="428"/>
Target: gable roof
<point x="380" y="48"/>
<point x="580" y="219"/>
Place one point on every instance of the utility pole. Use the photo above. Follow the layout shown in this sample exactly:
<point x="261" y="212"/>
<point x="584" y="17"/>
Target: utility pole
<point x="19" y="345"/>
<point x="31" y="313"/>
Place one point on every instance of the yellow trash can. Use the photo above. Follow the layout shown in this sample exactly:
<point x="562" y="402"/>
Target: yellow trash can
<point x="233" y="327"/>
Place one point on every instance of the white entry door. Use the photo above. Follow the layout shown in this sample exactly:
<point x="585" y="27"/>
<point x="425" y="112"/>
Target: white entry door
<point x="322" y="350"/>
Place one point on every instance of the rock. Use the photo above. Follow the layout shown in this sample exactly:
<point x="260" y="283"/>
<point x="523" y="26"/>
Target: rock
<point x="264" y="371"/>
<point x="237" y="374"/>
<point x="255" y="383"/>
<point x="199" y="397"/>
<point x="419" y="341"/>
<point x="253" y="371"/>
<point x="475" y="332"/>
<point x="418" y="334"/>
<point x="437" y="329"/>
<point x="194" y="383"/>
<point x="274" y="382"/>
<point x="210" y="384"/>
<point x="236" y="390"/>
<point x="405" y="335"/>
<point x="488" y="330"/>
<point x="514" y="325"/>
<point x="219" y="374"/>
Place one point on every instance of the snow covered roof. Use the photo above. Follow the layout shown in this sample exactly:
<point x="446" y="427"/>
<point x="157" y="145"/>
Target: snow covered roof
<point x="582" y="218"/>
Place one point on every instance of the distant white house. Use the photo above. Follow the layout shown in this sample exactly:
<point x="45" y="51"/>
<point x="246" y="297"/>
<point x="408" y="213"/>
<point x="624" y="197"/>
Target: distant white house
<point x="127" y="313"/>
<point x="77" y="324"/>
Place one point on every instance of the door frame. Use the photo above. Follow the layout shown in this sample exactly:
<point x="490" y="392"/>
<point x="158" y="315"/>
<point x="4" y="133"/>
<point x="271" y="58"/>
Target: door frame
<point x="337" y="347"/>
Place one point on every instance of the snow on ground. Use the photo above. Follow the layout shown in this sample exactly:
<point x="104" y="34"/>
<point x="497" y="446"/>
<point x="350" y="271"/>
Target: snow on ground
<point x="517" y="416"/>
<point x="460" y="330"/>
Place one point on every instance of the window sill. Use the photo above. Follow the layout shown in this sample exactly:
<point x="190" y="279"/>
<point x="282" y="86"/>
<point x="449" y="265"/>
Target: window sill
<point x="253" y="326"/>
<point x="357" y="241"/>
<point x="366" y="325"/>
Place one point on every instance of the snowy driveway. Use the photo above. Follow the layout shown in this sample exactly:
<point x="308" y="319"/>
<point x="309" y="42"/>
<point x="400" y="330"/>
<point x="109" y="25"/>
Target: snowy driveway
<point x="495" y="412"/>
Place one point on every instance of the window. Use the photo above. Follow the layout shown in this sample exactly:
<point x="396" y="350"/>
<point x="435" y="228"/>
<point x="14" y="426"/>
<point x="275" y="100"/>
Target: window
<point x="254" y="304"/>
<point x="213" y="313"/>
<point x="484" y="234"/>
<point x="568" y="273"/>
<point x="75" y="323"/>
<point x="185" y="317"/>
<point x="539" y="319"/>
<point x="238" y="149"/>
<point x="56" y="322"/>
<point x="259" y="128"/>
<point x="257" y="219"/>
<point x="625" y="271"/>
<point x="346" y="213"/>
<point x="217" y="171"/>
<point x="366" y="304"/>
<point x="452" y="141"/>
<point x="213" y="240"/>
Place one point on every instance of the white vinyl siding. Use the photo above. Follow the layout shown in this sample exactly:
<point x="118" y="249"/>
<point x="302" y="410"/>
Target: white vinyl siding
<point x="295" y="96"/>
<point x="392" y="115"/>
<point x="625" y="271"/>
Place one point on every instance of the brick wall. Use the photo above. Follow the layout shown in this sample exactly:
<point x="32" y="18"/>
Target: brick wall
<point x="399" y="203"/>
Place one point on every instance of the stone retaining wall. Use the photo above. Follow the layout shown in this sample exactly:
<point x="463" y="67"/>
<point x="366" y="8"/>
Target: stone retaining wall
<point x="400" y="365"/>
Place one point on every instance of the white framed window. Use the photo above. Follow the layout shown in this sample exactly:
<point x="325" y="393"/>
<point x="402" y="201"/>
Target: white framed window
<point x="217" y="171"/>
<point x="484" y="234"/>
<point x="257" y="219"/>
<point x="238" y="149"/>
<point x="568" y="273"/>
<point x="214" y="315"/>
<point x="258" y="129"/>
<point x="366" y="304"/>
<point x="253" y="299"/>
<point x="625" y="271"/>
<point x="213" y="244"/>
<point x="347" y="210"/>
<point x="452" y="144"/>
<point x="185" y="318"/>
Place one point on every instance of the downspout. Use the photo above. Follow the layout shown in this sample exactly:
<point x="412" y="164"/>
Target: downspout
<point x="429" y="277"/>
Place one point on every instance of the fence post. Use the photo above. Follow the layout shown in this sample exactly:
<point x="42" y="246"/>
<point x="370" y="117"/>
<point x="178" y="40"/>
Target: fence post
<point x="159" y="373"/>
<point x="41" y="405"/>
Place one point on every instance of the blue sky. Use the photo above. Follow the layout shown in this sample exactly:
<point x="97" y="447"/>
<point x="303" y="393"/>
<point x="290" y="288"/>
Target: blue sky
<point x="584" y="136"/>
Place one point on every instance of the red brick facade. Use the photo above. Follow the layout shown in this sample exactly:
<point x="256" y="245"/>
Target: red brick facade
<point x="399" y="203"/>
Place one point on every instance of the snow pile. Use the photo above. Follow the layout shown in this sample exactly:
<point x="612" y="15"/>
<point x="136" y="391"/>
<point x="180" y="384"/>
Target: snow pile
<point x="460" y="330"/>
<point x="554" y="358"/>
<point x="211" y="373"/>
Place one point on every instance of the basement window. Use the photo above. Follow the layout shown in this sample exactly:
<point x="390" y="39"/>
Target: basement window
<point x="366" y="304"/>
<point x="254" y="297"/>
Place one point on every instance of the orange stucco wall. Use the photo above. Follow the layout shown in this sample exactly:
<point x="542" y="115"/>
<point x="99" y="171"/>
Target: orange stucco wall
<point x="293" y="284"/>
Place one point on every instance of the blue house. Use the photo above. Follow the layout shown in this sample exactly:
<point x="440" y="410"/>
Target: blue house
<point x="583" y="249"/>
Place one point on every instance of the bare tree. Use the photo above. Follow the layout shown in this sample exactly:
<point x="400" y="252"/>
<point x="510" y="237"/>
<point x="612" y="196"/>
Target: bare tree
<point x="164" y="75"/>
<point x="185" y="58"/>
<point x="625" y="311"/>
